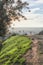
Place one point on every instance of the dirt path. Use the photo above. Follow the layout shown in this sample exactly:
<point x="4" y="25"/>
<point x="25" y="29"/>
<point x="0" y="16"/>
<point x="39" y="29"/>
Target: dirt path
<point x="32" y="55"/>
<point x="35" y="52"/>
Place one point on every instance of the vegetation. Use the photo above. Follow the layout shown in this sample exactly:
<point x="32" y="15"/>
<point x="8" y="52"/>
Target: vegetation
<point x="10" y="9"/>
<point x="13" y="50"/>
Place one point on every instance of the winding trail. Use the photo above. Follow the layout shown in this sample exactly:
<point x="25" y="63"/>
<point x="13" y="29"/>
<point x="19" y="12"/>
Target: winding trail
<point x="32" y="56"/>
<point x="35" y="52"/>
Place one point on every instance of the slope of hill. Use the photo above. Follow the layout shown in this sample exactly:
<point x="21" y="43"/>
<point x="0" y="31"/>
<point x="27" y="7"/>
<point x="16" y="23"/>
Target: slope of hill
<point x="13" y="50"/>
<point x="41" y="33"/>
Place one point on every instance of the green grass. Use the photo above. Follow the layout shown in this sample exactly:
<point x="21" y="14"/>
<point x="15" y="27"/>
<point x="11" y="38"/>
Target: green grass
<point x="13" y="50"/>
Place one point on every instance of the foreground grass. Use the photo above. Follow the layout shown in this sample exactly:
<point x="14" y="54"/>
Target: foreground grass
<point x="13" y="50"/>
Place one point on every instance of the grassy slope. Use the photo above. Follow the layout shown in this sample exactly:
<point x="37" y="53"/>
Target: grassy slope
<point x="13" y="50"/>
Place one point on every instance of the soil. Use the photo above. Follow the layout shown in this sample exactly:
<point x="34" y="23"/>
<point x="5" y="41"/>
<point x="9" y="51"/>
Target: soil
<point x="34" y="56"/>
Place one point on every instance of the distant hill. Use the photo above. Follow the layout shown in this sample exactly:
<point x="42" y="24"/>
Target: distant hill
<point x="41" y="33"/>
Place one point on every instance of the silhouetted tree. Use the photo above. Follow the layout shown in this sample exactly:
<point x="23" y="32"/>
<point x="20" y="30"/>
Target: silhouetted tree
<point x="10" y="9"/>
<point x="1" y="46"/>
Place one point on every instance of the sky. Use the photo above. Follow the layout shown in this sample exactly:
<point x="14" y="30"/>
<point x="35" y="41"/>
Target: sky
<point x="36" y="6"/>
<point x="35" y="17"/>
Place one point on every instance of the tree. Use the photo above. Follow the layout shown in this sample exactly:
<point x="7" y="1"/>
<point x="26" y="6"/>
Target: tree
<point x="10" y="9"/>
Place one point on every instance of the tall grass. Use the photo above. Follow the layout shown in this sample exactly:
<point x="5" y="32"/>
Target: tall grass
<point x="14" y="49"/>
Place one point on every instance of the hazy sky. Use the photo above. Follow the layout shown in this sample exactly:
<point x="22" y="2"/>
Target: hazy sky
<point x="35" y="17"/>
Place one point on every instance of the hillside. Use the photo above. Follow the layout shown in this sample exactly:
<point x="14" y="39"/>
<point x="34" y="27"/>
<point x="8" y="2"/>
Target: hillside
<point x="41" y="33"/>
<point x="13" y="50"/>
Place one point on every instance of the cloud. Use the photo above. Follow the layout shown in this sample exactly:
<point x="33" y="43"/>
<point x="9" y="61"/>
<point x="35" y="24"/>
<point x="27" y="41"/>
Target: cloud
<point x="34" y="10"/>
<point x="36" y="1"/>
<point x="31" y="4"/>
<point x="36" y="6"/>
<point x="39" y="1"/>
<point x="34" y="20"/>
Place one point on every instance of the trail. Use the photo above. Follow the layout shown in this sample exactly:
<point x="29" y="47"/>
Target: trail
<point x="35" y="52"/>
<point x="33" y="56"/>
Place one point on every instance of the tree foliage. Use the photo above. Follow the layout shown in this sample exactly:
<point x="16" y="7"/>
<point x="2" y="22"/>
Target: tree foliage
<point x="10" y="9"/>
